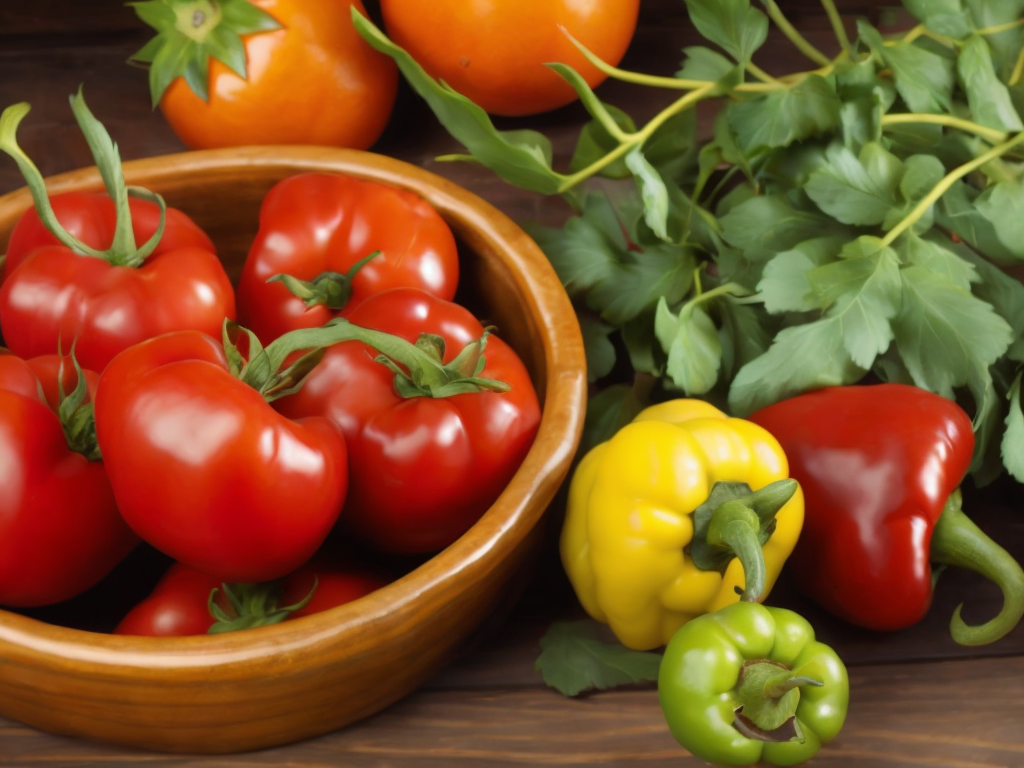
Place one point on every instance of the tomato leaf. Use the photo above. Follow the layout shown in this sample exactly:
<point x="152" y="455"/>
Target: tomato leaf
<point x="573" y="659"/>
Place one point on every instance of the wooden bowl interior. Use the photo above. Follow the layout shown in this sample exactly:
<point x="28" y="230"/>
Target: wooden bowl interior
<point x="304" y="677"/>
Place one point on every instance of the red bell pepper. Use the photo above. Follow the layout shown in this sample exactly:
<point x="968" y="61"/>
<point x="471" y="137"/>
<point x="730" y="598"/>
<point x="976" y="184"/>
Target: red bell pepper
<point x="326" y="241"/>
<point x="90" y="283"/>
<point x="880" y="466"/>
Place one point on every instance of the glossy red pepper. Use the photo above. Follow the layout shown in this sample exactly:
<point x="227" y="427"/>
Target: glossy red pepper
<point x="309" y="260"/>
<point x="880" y="466"/>
<point x="82" y="269"/>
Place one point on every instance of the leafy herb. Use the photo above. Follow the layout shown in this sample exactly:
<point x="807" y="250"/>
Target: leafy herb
<point x="845" y="221"/>
<point x="574" y="659"/>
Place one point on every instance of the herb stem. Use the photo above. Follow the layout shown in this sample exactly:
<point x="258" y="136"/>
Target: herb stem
<point x="725" y="289"/>
<point x="837" y="24"/>
<point x="922" y="31"/>
<point x="990" y="135"/>
<point x="637" y="138"/>
<point x="997" y="28"/>
<point x="944" y="186"/>
<point x="1018" y="69"/>
<point x="760" y="74"/>
<point x="801" y="43"/>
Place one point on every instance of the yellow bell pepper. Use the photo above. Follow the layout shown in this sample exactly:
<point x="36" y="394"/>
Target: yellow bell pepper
<point x="681" y="482"/>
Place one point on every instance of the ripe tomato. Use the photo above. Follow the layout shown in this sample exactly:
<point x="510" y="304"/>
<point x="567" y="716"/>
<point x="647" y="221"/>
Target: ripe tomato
<point x="320" y="225"/>
<point x="179" y="604"/>
<point x="205" y="471"/>
<point x="60" y="530"/>
<point x="423" y="469"/>
<point x="312" y="81"/>
<point x="494" y="52"/>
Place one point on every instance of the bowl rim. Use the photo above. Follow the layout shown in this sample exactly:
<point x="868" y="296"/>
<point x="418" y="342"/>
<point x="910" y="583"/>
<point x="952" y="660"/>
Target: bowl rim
<point x="538" y="477"/>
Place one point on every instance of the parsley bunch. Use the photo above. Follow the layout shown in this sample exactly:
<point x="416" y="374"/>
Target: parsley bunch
<point x="845" y="222"/>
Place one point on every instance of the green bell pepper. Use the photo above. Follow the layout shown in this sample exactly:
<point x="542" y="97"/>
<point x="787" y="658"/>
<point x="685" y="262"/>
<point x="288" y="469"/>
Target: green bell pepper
<point x="750" y="683"/>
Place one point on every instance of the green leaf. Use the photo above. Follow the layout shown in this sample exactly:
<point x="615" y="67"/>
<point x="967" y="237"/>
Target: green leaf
<point x="958" y="213"/>
<point x="690" y="339"/>
<point x="784" y="286"/>
<point x="730" y="24"/>
<point x="944" y="334"/>
<point x="573" y="659"/>
<point x="930" y="254"/>
<point x="864" y="290"/>
<point x="519" y="157"/>
<point x="856" y="189"/>
<point x="801" y="358"/>
<point x="653" y="191"/>
<point x="987" y="97"/>
<point x="1002" y="205"/>
<point x="1005" y="45"/>
<point x="769" y="224"/>
<point x="600" y="351"/>
<point x="594" y="142"/>
<point x="635" y="285"/>
<point x="743" y="335"/>
<point x="672" y="149"/>
<point x="1012" y="447"/>
<point x="1003" y="292"/>
<point x="645" y="354"/>
<point x="704" y="64"/>
<point x="923" y="78"/>
<point x="609" y="411"/>
<point x="944" y="17"/>
<point x="780" y="117"/>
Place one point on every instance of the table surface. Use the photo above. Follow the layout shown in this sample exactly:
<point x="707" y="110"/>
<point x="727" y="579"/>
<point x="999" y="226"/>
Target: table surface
<point x="916" y="697"/>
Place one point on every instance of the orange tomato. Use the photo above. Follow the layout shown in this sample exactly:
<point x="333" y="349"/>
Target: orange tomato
<point x="314" y="81"/>
<point x="494" y="51"/>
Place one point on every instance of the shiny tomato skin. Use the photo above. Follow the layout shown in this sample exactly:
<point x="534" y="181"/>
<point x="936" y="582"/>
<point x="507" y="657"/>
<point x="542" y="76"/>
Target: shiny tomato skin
<point x="423" y="470"/>
<point x="319" y="222"/>
<point x="90" y="217"/>
<point x="314" y="81"/>
<point x="206" y="471"/>
<point x="494" y="52"/>
<point x="56" y="296"/>
<point x="179" y="604"/>
<point x="60" y="530"/>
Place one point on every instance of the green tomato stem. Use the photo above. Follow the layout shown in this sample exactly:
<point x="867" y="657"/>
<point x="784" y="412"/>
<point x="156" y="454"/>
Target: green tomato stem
<point x="957" y="541"/>
<point x="331" y="289"/>
<point x="944" y="185"/>
<point x="801" y="43"/>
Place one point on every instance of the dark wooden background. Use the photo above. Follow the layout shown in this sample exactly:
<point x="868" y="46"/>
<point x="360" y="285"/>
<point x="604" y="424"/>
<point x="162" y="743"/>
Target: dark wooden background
<point x="917" y="697"/>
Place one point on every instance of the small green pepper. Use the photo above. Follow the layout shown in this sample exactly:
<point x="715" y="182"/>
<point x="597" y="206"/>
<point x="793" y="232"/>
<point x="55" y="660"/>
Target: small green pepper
<point x="749" y="683"/>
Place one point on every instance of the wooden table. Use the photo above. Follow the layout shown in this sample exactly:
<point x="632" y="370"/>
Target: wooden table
<point x="917" y="698"/>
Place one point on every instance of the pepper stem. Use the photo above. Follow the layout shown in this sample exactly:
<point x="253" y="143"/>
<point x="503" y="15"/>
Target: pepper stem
<point x="735" y="522"/>
<point x="769" y="693"/>
<point x="956" y="540"/>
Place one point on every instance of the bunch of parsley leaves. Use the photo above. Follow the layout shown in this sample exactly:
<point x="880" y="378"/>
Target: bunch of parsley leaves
<point x="846" y="222"/>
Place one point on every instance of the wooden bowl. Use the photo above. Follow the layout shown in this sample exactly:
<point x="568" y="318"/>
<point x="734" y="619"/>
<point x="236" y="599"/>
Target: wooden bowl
<point x="307" y="676"/>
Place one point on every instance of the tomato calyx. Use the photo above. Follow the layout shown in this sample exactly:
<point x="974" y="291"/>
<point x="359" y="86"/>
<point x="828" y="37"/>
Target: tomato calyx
<point x="190" y="33"/>
<point x="76" y="415"/>
<point x="252" y="605"/>
<point x="123" y="250"/>
<point x="331" y="289"/>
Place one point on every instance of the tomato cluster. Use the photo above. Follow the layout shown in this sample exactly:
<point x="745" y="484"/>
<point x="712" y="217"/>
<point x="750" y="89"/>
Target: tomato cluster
<point x="362" y="402"/>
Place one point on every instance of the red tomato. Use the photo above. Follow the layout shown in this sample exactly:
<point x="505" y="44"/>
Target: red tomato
<point x="51" y="295"/>
<point x="495" y="52"/>
<point x="206" y="471"/>
<point x="423" y="469"/>
<point x="179" y="604"/>
<point x="60" y="530"/>
<point x="317" y="222"/>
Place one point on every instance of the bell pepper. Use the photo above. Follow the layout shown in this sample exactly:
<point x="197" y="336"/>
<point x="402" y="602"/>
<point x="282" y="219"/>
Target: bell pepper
<point x="880" y="466"/>
<point x="671" y="517"/>
<point x="749" y="684"/>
